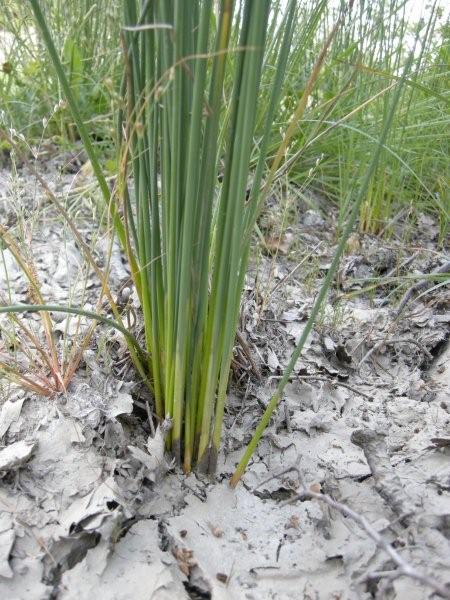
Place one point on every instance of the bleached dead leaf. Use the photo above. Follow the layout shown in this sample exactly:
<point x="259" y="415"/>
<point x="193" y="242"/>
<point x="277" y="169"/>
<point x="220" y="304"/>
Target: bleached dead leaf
<point x="153" y="459"/>
<point x="120" y="404"/>
<point x="7" y="537"/>
<point x="16" y="454"/>
<point x="9" y="414"/>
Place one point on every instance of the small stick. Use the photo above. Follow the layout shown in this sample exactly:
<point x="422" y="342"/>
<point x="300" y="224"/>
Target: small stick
<point x="387" y="482"/>
<point x="150" y="419"/>
<point x="386" y="341"/>
<point x="420" y="285"/>
<point x="378" y="345"/>
<point x="246" y="350"/>
<point x="445" y="268"/>
<point x="392" y="221"/>
<point x="356" y="391"/>
<point x="402" y="265"/>
<point x="292" y="271"/>
<point x="409" y="341"/>
<point x="287" y="418"/>
<point x="330" y="381"/>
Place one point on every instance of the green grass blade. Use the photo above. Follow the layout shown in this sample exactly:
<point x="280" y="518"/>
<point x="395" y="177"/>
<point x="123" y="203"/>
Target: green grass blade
<point x="276" y="397"/>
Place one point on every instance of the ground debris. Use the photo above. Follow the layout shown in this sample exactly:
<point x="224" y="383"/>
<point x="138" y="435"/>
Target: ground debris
<point x="16" y="454"/>
<point x="99" y="509"/>
<point x="387" y="482"/>
<point x="10" y="413"/>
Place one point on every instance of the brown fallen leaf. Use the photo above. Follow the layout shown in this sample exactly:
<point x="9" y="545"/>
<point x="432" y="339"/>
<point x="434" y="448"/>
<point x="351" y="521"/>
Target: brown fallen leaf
<point x="216" y="531"/>
<point x="278" y="244"/>
<point x="315" y="488"/>
<point x="185" y="559"/>
<point x="353" y="244"/>
<point x="293" y="522"/>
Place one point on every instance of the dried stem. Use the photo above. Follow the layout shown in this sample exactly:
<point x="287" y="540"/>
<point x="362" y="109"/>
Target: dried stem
<point x="404" y="568"/>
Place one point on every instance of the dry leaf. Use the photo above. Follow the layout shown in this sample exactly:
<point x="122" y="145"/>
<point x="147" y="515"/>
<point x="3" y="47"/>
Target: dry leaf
<point x="185" y="559"/>
<point x="294" y="522"/>
<point x="16" y="454"/>
<point x="353" y="244"/>
<point x="216" y="531"/>
<point x="316" y="488"/>
<point x="278" y="244"/>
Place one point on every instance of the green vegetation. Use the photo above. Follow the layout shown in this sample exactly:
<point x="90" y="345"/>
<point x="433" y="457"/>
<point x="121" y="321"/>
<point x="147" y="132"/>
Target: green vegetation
<point x="207" y="104"/>
<point x="85" y="34"/>
<point x="341" y="122"/>
<point x="350" y="107"/>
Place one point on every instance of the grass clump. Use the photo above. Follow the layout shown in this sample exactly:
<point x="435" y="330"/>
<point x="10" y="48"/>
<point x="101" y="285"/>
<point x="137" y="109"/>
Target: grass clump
<point x="350" y="104"/>
<point x="199" y="122"/>
<point x="182" y="129"/>
<point x="84" y="34"/>
<point x="187" y="130"/>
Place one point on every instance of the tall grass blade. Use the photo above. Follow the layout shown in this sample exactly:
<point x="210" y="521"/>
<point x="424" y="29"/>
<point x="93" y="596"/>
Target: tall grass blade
<point x="360" y="197"/>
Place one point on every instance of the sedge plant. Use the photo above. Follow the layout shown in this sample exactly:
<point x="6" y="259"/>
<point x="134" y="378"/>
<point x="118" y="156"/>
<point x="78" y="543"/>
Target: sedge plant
<point x="186" y="222"/>
<point x="357" y="202"/>
<point x="351" y="104"/>
<point x="186" y="225"/>
<point x="192" y="236"/>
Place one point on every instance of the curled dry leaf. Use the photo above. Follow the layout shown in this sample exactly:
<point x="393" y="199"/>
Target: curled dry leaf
<point x="222" y="577"/>
<point x="16" y="454"/>
<point x="293" y="522"/>
<point x="278" y="244"/>
<point x="185" y="559"/>
<point x="316" y="488"/>
<point x="216" y="531"/>
<point x="9" y="414"/>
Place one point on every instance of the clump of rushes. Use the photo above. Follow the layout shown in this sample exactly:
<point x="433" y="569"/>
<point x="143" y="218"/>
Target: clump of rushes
<point x="192" y="234"/>
<point x="187" y="225"/>
<point x="192" y="91"/>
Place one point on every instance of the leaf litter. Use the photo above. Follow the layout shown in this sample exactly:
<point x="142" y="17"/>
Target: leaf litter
<point x="89" y="503"/>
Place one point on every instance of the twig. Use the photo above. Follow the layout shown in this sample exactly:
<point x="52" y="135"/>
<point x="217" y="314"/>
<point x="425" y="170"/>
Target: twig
<point x="150" y="418"/>
<point x="292" y="271"/>
<point x="402" y="265"/>
<point x="387" y="482"/>
<point x="392" y="221"/>
<point x="330" y="381"/>
<point x="387" y="342"/>
<point x="420" y="285"/>
<point x="287" y="418"/>
<point x="378" y="345"/>
<point x="404" y="568"/>
<point x="411" y="341"/>
<point x="246" y="350"/>
<point x="339" y="383"/>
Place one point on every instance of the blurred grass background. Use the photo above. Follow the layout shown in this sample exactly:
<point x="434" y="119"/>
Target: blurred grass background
<point x="339" y="129"/>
